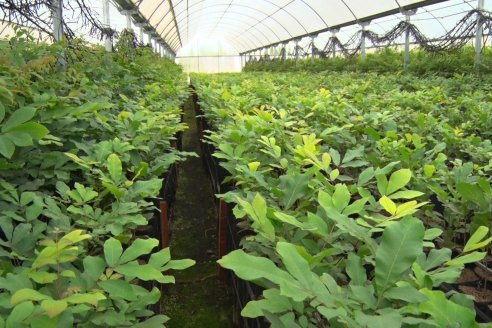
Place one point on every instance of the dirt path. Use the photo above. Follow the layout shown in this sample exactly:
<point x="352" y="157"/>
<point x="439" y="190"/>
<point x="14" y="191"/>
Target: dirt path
<point x="198" y="299"/>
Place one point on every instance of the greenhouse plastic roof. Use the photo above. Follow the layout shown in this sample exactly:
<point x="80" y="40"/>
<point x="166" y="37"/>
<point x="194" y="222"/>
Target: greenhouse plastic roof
<point x="252" y="24"/>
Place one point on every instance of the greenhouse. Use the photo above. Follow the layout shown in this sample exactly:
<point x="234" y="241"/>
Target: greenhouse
<point x="246" y="163"/>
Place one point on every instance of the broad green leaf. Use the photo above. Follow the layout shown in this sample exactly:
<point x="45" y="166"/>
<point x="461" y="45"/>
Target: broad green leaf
<point x="398" y="180"/>
<point x="112" y="251"/>
<point x="364" y="295"/>
<point x="273" y="302"/>
<point x="43" y="277"/>
<point x="53" y="308"/>
<point x="18" y="314"/>
<point x="436" y="257"/>
<point x="365" y="176"/>
<point x="356" y="207"/>
<point x="406" y="194"/>
<point x="388" y="205"/>
<point x="20" y="139"/>
<point x="433" y="233"/>
<point x="27" y="294"/>
<point x="293" y="187"/>
<point x="468" y="258"/>
<point x="475" y="240"/>
<point x="118" y="289"/>
<point x="157" y="260"/>
<point x="335" y="156"/>
<point x="2" y="112"/>
<point x="86" y="298"/>
<point x="253" y="166"/>
<point x="355" y="270"/>
<point x="401" y="244"/>
<point x="408" y="294"/>
<point x="34" y="129"/>
<point x="178" y="264"/>
<point x="74" y="237"/>
<point x="446" y="313"/>
<point x="18" y="117"/>
<point x="385" y="320"/>
<point x="250" y="268"/>
<point x="143" y="272"/>
<point x="7" y="147"/>
<point x="429" y="170"/>
<point x="341" y="197"/>
<point x="137" y="248"/>
<point x="156" y="321"/>
<point x="93" y="266"/>
<point x="289" y="219"/>
<point x="115" y="168"/>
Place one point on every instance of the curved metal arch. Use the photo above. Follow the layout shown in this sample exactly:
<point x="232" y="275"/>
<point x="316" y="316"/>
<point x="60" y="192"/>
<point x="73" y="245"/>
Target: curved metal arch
<point x="314" y="11"/>
<point x="236" y="44"/>
<point x="258" y="42"/>
<point x="237" y="13"/>
<point x="172" y="36"/>
<point x="280" y="9"/>
<point x="236" y="5"/>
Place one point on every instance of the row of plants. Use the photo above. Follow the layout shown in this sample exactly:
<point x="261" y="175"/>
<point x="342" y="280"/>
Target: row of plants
<point x="365" y="193"/>
<point x="386" y="60"/>
<point x="82" y="153"/>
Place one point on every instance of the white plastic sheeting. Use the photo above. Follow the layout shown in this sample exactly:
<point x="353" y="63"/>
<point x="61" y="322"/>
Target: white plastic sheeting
<point x="249" y="24"/>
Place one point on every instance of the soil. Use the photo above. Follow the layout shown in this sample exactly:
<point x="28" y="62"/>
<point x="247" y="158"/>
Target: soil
<point x="198" y="299"/>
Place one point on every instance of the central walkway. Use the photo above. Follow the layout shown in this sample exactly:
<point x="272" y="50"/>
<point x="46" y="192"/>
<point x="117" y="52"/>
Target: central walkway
<point x="199" y="299"/>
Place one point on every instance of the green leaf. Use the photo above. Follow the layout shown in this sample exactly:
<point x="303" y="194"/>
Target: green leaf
<point x="388" y="205"/>
<point x="289" y="219"/>
<point x="293" y="187"/>
<point x="468" y="258"/>
<point x="435" y="258"/>
<point x="34" y="129"/>
<point x="18" y="314"/>
<point x="365" y="176"/>
<point x="429" y="170"/>
<point x="112" y="251"/>
<point x="355" y="270"/>
<point x="53" y="308"/>
<point x="20" y="139"/>
<point x="118" y="289"/>
<point x="341" y="197"/>
<point x="273" y="303"/>
<point x="115" y="168"/>
<point x="92" y="299"/>
<point x="143" y="272"/>
<point x="446" y="313"/>
<point x="7" y="147"/>
<point x="156" y="321"/>
<point x="406" y="194"/>
<point x="433" y="233"/>
<point x="408" y="294"/>
<point x="20" y="116"/>
<point x="474" y="241"/>
<point x="43" y="277"/>
<point x="398" y="180"/>
<point x="178" y="264"/>
<point x="385" y="320"/>
<point x="157" y="260"/>
<point x="250" y="267"/>
<point x="137" y="248"/>
<point x="94" y="266"/>
<point x="27" y="294"/>
<point x="2" y="112"/>
<point x="401" y="244"/>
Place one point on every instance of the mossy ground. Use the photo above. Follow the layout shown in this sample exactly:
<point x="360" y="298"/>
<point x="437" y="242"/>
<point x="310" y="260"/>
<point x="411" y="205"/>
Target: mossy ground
<point x="198" y="299"/>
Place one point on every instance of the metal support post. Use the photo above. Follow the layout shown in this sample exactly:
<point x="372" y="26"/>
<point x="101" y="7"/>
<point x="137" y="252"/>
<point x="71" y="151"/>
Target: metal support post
<point x="296" y="52"/>
<point x="128" y="20"/>
<point x="479" y="34"/>
<point x="108" y="44"/>
<point x="333" y="47"/>
<point x="363" y="41"/>
<point x="408" y="14"/>
<point x="313" y="47"/>
<point x="57" y="15"/>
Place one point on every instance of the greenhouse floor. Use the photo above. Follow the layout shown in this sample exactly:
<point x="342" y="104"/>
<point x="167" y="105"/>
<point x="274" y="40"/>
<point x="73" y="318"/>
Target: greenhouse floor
<point x="199" y="298"/>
